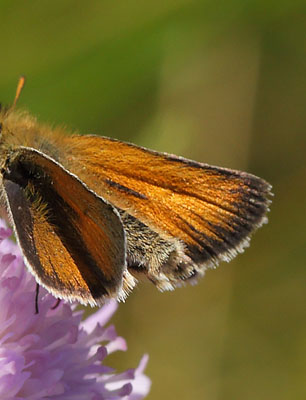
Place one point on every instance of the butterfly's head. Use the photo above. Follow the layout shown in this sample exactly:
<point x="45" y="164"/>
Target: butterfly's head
<point x="2" y="130"/>
<point x="6" y="112"/>
<point x="7" y="118"/>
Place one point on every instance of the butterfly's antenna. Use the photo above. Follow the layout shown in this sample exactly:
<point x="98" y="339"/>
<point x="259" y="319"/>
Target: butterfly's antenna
<point x="20" y="86"/>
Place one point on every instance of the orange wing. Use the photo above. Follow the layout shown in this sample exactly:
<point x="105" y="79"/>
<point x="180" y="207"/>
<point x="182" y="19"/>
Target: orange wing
<point x="73" y="241"/>
<point x="210" y="210"/>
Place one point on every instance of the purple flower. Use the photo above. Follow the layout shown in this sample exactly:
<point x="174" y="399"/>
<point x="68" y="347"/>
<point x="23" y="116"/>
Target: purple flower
<point x="54" y="354"/>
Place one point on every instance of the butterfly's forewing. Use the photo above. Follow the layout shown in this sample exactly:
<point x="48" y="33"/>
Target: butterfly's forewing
<point x="210" y="210"/>
<point x="73" y="241"/>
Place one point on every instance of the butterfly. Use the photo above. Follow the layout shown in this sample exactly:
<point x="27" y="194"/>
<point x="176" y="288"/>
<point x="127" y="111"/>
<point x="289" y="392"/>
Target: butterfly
<point x="93" y="214"/>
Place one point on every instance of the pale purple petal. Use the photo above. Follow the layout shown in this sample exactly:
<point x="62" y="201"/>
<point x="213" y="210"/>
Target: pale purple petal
<point x="55" y="355"/>
<point x="101" y="316"/>
<point x="141" y="383"/>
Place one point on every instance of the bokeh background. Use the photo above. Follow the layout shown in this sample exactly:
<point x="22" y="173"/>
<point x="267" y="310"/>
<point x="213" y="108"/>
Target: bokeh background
<point x="221" y="82"/>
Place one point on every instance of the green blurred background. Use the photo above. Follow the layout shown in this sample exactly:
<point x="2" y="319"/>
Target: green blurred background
<point x="221" y="82"/>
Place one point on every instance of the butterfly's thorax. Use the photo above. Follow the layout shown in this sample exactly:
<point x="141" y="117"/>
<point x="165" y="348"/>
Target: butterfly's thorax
<point x="19" y="129"/>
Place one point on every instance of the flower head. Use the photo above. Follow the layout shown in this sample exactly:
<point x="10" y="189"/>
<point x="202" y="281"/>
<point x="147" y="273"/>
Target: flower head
<point x="54" y="354"/>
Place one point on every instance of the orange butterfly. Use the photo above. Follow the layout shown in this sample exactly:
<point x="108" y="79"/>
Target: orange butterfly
<point x="91" y="213"/>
